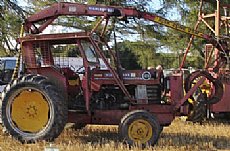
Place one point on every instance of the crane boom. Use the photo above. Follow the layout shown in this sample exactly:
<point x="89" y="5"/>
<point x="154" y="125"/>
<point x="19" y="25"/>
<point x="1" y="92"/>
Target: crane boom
<point x="48" y="15"/>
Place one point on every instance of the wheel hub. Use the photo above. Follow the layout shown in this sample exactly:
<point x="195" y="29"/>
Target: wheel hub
<point x="140" y="131"/>
<point x="30" y="111"/>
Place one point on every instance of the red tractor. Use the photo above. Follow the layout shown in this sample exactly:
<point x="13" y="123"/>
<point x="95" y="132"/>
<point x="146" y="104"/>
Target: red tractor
<point x="38" y="103"/>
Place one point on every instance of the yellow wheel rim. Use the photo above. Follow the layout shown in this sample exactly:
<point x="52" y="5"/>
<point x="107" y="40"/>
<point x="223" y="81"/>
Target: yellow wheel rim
<point x="30" y="111"/>
<point x="205" y="86"/>
<point x="140" y="131"/>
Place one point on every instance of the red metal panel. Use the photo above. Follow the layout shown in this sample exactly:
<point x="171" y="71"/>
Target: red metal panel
<point x="154" y="108"/>
<point x="176" y="88"/>
<point x="226" y="5"/>
<point x="109" y="117"/>
<point x="55" y="38"/>
<point x="85" y="82"/>
<point x="113" y="117"/>
<point x="76" y="117"/>
<point x="54" y="76"/>
<point x="75" y="9"/>
<point x="224" y="104"/>
<point x="165" y="119"/>
<point x="28" y="55"/>
<point x="164" y="114"/>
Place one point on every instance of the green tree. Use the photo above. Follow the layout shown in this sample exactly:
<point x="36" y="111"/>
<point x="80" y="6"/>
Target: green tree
<point x="187" y="14"/>
<point x="11" y="18"/>
<point x="128" y="59"/>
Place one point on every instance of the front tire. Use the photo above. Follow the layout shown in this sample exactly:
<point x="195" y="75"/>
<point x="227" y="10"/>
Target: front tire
<point x="33" y="109"/>
<point x="139" y="127"/>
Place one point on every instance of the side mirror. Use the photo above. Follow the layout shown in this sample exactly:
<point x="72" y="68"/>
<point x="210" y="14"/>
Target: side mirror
<point x="5" y="77"/>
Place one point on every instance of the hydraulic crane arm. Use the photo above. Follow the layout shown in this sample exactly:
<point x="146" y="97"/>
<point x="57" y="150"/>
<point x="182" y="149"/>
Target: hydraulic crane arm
<point x="48" y="15"/>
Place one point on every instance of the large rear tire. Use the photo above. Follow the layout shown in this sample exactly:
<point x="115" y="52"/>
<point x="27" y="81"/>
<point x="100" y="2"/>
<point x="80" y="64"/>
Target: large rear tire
<point x="33" y="109"/>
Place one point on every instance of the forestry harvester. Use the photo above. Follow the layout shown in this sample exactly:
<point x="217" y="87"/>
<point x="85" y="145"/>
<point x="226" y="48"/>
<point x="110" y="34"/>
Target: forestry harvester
<point x="43" y="97"/>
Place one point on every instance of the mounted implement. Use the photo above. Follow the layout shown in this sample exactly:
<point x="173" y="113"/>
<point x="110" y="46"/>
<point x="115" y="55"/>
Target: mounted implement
<point x="37" y="105"/>
<point x="216" y="63"/>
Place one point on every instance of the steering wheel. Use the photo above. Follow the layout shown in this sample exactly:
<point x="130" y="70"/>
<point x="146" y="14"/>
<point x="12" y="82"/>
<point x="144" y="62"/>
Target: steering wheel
<point x="78" y="71"/>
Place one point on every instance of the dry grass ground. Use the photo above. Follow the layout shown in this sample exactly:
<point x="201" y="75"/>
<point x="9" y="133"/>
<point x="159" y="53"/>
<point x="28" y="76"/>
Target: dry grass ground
<point x="178" y="136"/>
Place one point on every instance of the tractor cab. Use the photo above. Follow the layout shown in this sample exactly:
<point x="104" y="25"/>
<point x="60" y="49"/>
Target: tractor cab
<point x="39" y="53"/>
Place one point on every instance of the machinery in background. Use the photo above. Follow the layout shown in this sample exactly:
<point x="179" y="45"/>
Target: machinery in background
<point x="217" y="63"/>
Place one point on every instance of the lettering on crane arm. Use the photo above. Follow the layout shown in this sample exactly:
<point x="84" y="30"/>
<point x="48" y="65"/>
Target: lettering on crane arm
<point x="72" y="9"/>
<point x="101" y="9"/>
<point x="176" y="26"/>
